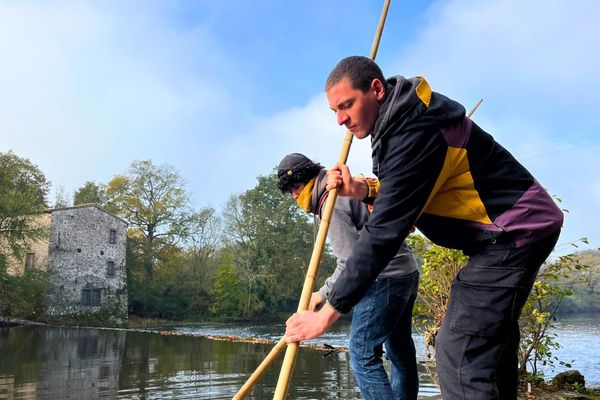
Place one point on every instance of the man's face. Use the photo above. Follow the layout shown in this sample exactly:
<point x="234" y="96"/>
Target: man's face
<point x="296" y="190"/>
<point x="355" y="109"/>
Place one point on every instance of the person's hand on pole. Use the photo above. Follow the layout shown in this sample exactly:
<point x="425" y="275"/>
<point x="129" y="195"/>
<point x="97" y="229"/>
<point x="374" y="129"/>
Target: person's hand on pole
<point x="307" y="325"/>
<point x="339" y="177"/>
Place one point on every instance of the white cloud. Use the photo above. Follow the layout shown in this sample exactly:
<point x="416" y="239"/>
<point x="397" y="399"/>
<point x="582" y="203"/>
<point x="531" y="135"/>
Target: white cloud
<point x="89" y="88"/>
<point x="310" y="129"/>
<point x="516" y="47"/>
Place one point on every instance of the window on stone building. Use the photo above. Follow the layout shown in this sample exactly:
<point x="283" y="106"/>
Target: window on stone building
<point x="110" y="268"/>
<point x="90" y="297"/>
<point x="112" y="237"/>
<point x="29" y="260"/>
<point x="104" y="373"/>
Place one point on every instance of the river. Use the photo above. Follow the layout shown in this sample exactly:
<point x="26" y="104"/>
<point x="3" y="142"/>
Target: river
<point x="84" y="363"/>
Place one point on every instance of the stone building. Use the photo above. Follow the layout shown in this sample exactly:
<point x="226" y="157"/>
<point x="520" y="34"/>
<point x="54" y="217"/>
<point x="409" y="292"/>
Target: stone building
<point x="84" y="249"/>
<point x="86" y="258"/>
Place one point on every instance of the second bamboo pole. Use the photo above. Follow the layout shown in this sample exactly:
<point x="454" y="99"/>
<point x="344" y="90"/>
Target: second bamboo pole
<point x="289" y="360"/>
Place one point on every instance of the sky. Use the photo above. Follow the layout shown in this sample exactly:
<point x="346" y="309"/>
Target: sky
<point x="221" y="91"/>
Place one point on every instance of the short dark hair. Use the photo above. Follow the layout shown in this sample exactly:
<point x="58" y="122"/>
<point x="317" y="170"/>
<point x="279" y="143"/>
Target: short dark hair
<point x="358" y="69"/>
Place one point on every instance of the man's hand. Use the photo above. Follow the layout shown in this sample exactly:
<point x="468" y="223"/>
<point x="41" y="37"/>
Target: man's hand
<point x="316" y="302"/>
<point x="310" y="324"/>
<point x="339" y="177"/>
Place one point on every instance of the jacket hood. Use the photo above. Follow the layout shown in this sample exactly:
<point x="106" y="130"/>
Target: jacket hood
<point x="319" y="190"/>
<point x="411" y="105"/>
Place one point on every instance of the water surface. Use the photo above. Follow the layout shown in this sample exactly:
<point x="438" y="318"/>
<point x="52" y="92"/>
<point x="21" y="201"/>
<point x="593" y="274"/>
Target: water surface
<point x="78" y="363"/>
<point x="81" y="363"/>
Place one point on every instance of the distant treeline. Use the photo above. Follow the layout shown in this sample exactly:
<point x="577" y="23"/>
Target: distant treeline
<point x="247" y="261"/>
<point x="585" y="284"/>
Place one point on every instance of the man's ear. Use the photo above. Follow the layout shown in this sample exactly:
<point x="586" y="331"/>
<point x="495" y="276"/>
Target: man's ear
<point x="379" y="89"/>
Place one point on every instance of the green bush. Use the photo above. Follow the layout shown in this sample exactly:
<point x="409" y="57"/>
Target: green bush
<point x="23" y="296"/>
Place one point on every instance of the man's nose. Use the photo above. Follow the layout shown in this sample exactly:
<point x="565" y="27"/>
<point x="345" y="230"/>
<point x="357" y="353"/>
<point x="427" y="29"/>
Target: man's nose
<point x="342" y="117"/>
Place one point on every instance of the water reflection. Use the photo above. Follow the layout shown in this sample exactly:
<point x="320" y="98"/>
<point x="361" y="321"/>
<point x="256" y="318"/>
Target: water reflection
<point x="59" y="363"/>
<point x="72" y="363"/>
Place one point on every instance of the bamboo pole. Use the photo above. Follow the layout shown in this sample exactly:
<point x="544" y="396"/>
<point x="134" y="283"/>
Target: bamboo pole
<point x="289" y="360"/>
<point x="315" y="257"/>
<point x="474" y="108"/>
<point x="260" y="370"/>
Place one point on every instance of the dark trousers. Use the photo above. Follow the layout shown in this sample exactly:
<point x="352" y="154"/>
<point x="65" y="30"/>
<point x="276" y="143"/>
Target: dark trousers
<point x="476" y="346"/>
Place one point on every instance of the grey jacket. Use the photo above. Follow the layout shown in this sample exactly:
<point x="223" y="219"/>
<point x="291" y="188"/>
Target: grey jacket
<point x="348" y="218"/>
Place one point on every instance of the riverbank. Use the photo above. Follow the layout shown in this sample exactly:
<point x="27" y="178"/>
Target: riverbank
<point x="543" y="391"/>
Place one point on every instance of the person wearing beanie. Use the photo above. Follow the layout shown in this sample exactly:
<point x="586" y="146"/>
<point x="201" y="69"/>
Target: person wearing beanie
<point x="384" y="315"/>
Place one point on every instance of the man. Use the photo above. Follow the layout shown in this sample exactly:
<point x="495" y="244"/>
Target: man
<point x="384" y="315"/>
<point x="441" y="172"/>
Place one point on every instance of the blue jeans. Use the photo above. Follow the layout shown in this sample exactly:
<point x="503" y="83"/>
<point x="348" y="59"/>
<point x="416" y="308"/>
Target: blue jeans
<point x="384" y="316"/>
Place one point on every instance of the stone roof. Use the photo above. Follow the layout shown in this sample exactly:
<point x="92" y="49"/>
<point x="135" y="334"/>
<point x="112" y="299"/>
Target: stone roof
<point x="89" y="205"/>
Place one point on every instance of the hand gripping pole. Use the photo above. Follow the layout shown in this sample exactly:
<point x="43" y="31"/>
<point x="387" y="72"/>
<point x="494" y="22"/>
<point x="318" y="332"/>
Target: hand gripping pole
<point x="289" y="360"/>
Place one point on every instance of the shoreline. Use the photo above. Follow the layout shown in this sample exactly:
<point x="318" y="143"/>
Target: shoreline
<point x="146" y="328"/>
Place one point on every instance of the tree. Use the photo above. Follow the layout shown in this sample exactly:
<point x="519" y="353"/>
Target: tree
<point x="201" y="242"/>
<point x="271" y="240"/>
<point x="90" y="193"/>
<point x="585" y="284"/>
<point x="439" y="265"/>
<point x="154" y="202"/>
<point x="61" y="199"/>
<point x="23" y="191"/>
<point x="227" y="293"/>
<point x="22" y="296"/>
<point x="539" y="313"/>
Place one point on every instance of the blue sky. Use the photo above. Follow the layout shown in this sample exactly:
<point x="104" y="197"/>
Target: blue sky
<point x="223" y="90"/>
